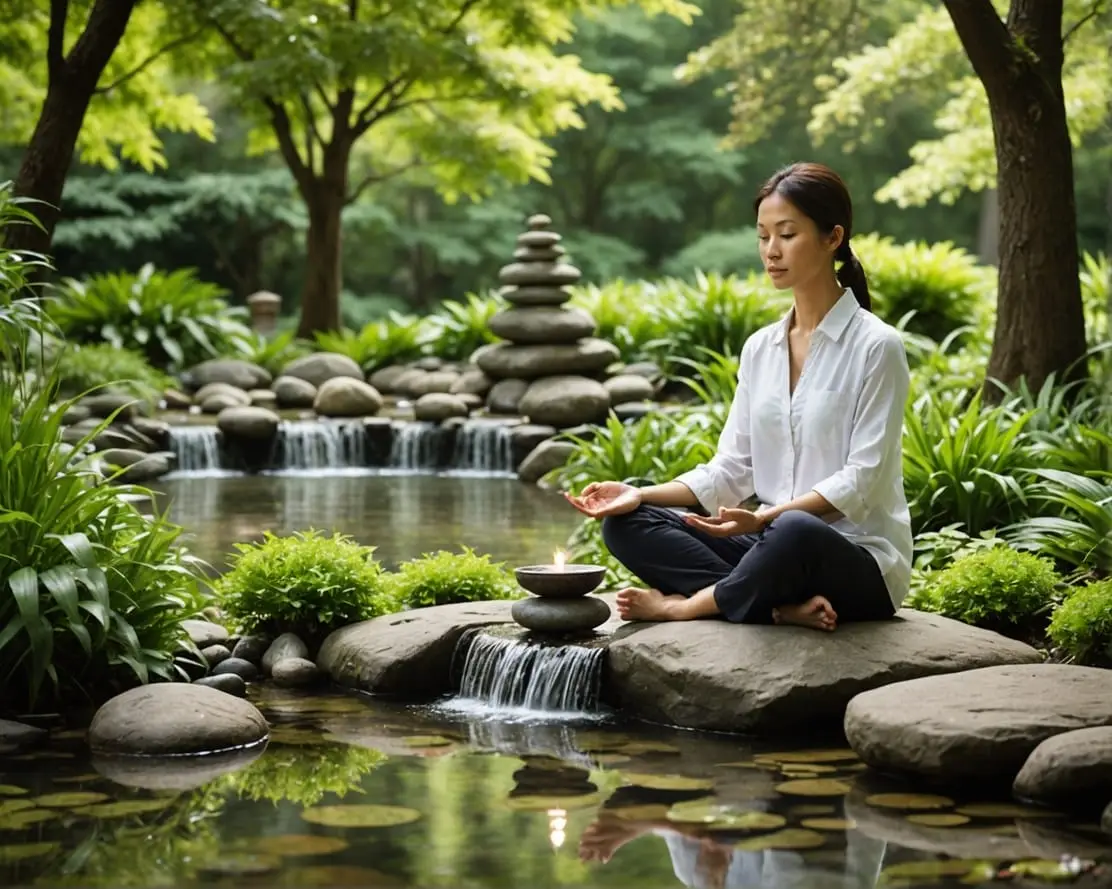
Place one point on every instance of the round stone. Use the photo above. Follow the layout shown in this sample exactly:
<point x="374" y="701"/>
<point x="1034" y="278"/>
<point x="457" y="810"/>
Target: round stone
<point x="554" y="274"/>
<point x="436" y="407"/>
<point x="588" y="356"/>
<point x="560" y="615"/>
<point x="536" y="296"/>
<point x="542" y="324"/>
<point x="565" y="401"/>
<point x="536" y="254"/>
<point x="229" y="683"/>
<point x="539" y="221"/>
<point x="538" y="239"/>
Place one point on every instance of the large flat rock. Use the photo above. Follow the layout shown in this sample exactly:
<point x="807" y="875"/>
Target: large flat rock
<point x="980" y="725"/>
<point x="768" y="679"/>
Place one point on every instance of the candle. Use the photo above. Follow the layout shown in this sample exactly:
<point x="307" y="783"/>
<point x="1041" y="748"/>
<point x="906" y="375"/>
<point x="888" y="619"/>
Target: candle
<point x="559" y="558"/>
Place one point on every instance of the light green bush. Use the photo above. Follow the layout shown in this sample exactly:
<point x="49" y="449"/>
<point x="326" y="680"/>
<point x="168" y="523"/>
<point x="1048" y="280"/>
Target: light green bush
<point x="1082" y="625"/>
<point x="445" y="578"/>
<point x="81" y="368"/>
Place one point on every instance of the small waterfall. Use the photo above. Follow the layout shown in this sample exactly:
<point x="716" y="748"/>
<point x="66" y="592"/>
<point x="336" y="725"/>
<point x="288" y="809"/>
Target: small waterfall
<point x="320" y="444"/>
<point x="483" y="446"/>
<point x="197" y="449"/>
<point x="504" y="674"/>
<point x="415" y="446"/>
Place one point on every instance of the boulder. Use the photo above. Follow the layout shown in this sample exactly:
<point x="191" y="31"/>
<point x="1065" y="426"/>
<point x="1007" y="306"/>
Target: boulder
<point x="545" y="457"/>
<point x="176" y="401"/>
<point x="385" y="378"/>
<point x="250" y="423"/>
<point x="105" y="404"/>
<point x="472" y="382"/>
<point x="768" y="679"/>
<point x="436" y="407"/>
<point x="505" y="396"/>
<point x="320" y="367"/>
<point x="542" y="324"/>
<point x="205" y="633"/>
<point x="173" y="772"/>
<point x="295" y="672"/>
<point x="564" y="401"/>
<point x="137" y="467"/>
<point x="229" y="683"/>
<point x="560" y="615"/>
<point x="627" y="387"/>
<point x="233" y="394"/>
<point x="172" y="718"/>
<point x="347" y="397"/>
<point x="979" y="725"/>
<point x="293" y="392"/>
<point x="233" y="371"/>
<point x="504" y="360"/>
<point x="288" y="645"/>
<point x="237" y="666"/>
<point x="17" y="736"/>
<point x="263" y="398"/>
<point x="219" y="401"/>
<point x="1069" y="769"/>
<point x="432" y="381"/>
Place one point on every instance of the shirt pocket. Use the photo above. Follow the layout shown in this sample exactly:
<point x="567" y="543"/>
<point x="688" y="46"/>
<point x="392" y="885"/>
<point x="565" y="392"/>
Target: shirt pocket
<point x="827" y="420"/>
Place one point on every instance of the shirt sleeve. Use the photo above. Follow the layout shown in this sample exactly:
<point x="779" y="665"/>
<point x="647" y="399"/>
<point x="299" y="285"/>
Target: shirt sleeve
<point x="876" y="440"/>
<point x="727" y="478"/>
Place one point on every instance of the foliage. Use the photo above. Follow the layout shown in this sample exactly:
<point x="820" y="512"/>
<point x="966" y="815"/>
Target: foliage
<point x="275" y="352"/>
<point x="1082" y="624"/>
<point x="82" y="368"/>
<point x="394" y="339"/>
<point x="445" y="578"/>
<point x="457" y="328"/>
<point x="586" y="547"/>
<point x="935" y="550"/>
<point x="723" y="252"/>
<point x="171" y="318"/>
<point x="996" y="588"/>
<point x="620" y="309"/>
<point x="305" y="583"/>
<point x="1096" y="273"/>
<point x="305" y="773"/>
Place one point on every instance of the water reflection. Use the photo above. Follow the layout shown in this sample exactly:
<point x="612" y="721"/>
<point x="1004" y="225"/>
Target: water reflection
<point x="402" y="515"/>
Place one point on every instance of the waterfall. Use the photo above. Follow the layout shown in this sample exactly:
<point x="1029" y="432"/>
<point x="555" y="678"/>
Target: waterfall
<point x="483" y="447"/>
<point x="316" y="445"/>
<point x="197" y="449"/>
<point x="415" y="446"/>
<point x="519" y="678"/>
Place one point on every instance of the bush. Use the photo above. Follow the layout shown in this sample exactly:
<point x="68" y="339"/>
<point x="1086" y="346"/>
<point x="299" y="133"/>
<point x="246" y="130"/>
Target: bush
<point x="305" y="583"/>
<point x="623" y="313"/>
<point x="456" y="329"/>
<point x="274" y="352"/>
<point x="81" y="368"/>
<point x="171" y="318"/>
<point x="997" y="588"/>
<point x="1082" y="624"/>
<point x="734" y="252"/>
<point x="394" y="339"/>
<point x="445" y="578"/>
<point x="305" y="773"/>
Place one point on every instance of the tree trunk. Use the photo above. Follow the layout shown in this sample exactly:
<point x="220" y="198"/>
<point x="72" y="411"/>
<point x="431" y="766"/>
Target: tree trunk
<point x="988" y="228"/>
<point x="320" y="298"/>
<point x="71" y="85"/>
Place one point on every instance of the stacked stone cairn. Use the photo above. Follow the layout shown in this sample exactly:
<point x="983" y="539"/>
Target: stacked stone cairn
<point x="561" y="602"/>
<point x="552" y="363"/>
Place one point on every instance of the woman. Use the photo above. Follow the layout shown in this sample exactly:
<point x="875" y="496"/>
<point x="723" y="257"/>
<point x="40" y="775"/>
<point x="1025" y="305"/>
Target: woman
<point x="814" y="433"/>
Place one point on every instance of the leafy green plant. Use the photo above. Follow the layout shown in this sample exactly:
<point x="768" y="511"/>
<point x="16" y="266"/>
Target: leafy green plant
<point x="1096" y="273"/>
<point x="82" y="368"/>
<point x="274" y="352"/>
<point x="444" y="578"/>
<point x="586" y="547"/>
<point x="305" y="583"/>
<point x="996" y="588"/>
<point x="305" y="773"/>
<point x="620" y="309"/>
<point x="172" y="318"/>
<point x="392" y="340"/>
<point x="456" y="329"/>
<point x="1082" y="625"/>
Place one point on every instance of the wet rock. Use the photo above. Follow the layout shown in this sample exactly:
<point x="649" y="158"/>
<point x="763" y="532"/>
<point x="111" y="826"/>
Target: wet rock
<point x="524" y="437"/>
<point x="229" y="683"/>
<point x="251" y="648"/>
<point x="320" y="367"/>
<point x="1073" y="768"/>
<point x="625" y="388"/>
<point x="559" y="616"/>
<point x="295" y="672"/>
<point x="244" y="669"/>
<point x="248" y="423"/>
<point x="173" y="772"/>
<point x="234" y="394"/>
<point x="564" y="401"/>
<point x="17" y="736"/>
<point x="472" y="382"/>
<point x="104" y="404"/>
<point x="505" y="360"/>
<point x="221" y="401"/>
<point x="436" y="407"/>
<point x="214" y="654"/>
<point x="176" y="401"/>
<point x="293" y="392"/>
<point x="536" y="296"/>
<point x="263" y="398"/>
<point x="232" y="371"/>
<point x="768" y="679"/>
<point x="170" y="718"/>
<point x="505" y="396"/>
<point x="385" y="379"/>
<point x="137" y="466"/>
<point x="75" y="413"/>
<point x="634" y="410"/>
<point x="542" y="324"/>
<point x="118" y="437"/>
<point x="155" y="431"/>
<point x="205" y="633"/>
<point x="435" y="381"/>
<point x="545" y="457"/>
<point x="287" y="645"/>
<point x="979" y="725"/>
<point x="347" y="397"/>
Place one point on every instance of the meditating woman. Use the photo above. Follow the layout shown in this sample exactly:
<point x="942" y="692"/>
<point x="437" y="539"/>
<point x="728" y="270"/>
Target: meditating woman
<point x="814" y="434"/>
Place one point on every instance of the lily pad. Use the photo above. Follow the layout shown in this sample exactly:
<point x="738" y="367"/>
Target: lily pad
<point x="750" y="764"/>
<point x="809" y="757"/>
<point x="667" y="782"/>
<point x="834" y="824"/>
<point x="71" y="800"/>
<point x="723" y="817"/>
<point x="540" y="803"/>
<point x="23" y="820"/>
<point x="23" y="851"/>
<point x="8" y="806"/>
<point x="808" y="770"/>
<point x="938" y="819"/>
<point x="790" y="838"/>
<point x="361" y="815"/>
<point x="12" y="790"/>
<point x="426" y="741"/>
<point x="298" y="844"/>
<point x="1044" y="869"/>
<point x="124" y="808"/>
<point x="933" y="869"/>
<point x="1003" y="810"/>
<point x="340" y="875"/>
<point x="639" y="748"/>
<point x="649" y="812"/>
<point x="79" y="779"/>
<point x="814" y="787"/>
<point x="908" y="801"/>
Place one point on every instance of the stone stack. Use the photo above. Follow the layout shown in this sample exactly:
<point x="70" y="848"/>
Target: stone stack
<point x="552" y="361"/>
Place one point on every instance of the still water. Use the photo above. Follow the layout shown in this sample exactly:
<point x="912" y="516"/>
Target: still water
<point x="356" y="792"/>
<point x="402" y="515"/>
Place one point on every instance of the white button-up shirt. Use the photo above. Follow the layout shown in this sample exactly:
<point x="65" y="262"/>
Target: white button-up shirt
<point x="839" y="434"/>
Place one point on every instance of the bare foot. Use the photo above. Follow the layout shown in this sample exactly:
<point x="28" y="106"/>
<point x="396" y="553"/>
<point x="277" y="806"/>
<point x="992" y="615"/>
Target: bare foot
<point x="637" y="603"/>
<point x="816" y="613"/>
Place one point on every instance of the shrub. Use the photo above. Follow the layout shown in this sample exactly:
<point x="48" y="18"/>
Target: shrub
<point x="275" y="352"/>
<point x="171" y="318"/>
<point x="304" y="583"/>
<point x="1082" y="625"/>
<point x="305" y="773"/>
<point x="456" y="329"/>
<point x="81" y="368"/>
<point x="392" y="340"/>
<point x="444" y="578"/>
<point x="995" y="588"/>
<point x="623" y="314"/>
<point x="735" y="252"/>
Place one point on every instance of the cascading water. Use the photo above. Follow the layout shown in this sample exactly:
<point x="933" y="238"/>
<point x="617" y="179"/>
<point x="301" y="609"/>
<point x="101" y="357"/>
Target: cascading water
<point x="304" y="445"/>
<point x="415" y="446"/>
<point x="483" y="447"/>
<point x="197" y="449"/>
<point x="511" y="678"/>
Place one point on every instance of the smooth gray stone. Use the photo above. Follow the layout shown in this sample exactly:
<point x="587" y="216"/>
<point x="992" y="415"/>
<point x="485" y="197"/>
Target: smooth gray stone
<point x="560" y="615"/>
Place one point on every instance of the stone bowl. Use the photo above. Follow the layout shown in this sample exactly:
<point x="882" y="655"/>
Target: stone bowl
<point x="570" y="583"/>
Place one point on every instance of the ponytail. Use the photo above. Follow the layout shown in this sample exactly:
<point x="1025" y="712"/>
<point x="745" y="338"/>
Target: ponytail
<point x="852" y="275"/>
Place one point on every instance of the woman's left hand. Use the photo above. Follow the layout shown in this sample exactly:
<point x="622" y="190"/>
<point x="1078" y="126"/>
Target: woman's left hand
<point x="728" y="523"/>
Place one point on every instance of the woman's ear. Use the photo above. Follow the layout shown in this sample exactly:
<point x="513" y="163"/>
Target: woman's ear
<point x="837" y="236"/>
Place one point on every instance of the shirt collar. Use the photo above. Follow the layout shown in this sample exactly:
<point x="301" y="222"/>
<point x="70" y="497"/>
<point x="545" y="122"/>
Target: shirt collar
<point x="832" y="326"/>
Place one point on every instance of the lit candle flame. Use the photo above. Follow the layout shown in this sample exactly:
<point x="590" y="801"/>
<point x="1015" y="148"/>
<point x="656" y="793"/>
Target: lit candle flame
<point x="559" y="559"/>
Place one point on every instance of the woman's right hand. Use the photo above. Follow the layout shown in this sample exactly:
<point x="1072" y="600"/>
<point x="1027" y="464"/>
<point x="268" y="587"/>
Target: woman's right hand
<point x="600" y="499"/>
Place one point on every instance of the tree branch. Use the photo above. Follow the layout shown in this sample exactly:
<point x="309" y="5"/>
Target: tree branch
<point x="1097" y="9"/>
<point x="366" y="115"/>
<point x="311" y="131"/>
<point x="283" y="130"/>
<point x="375" y="178"/>
<point x="1036" y="26"/>
<point x="986" y="41"/>
<point x="56" y="37"/>
<point x="173" y="44"/>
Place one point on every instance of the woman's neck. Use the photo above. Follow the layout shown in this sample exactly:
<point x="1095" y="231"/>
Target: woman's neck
<point x="813" y="301"/>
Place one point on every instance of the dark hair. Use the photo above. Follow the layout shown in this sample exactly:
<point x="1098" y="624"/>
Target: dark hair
<point x="822" y="196"/>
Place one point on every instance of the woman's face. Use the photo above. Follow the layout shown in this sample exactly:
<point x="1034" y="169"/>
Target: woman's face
<point x="793" y="250"/>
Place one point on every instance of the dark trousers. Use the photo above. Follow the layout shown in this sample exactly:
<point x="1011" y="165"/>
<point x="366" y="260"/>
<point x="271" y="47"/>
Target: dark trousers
<point x="795" y="557"/>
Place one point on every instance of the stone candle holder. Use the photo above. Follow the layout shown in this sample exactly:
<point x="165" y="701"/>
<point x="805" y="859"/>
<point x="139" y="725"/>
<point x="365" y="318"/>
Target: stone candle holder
<point x="560" y="581"/>
<point x="560" y="602"/>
